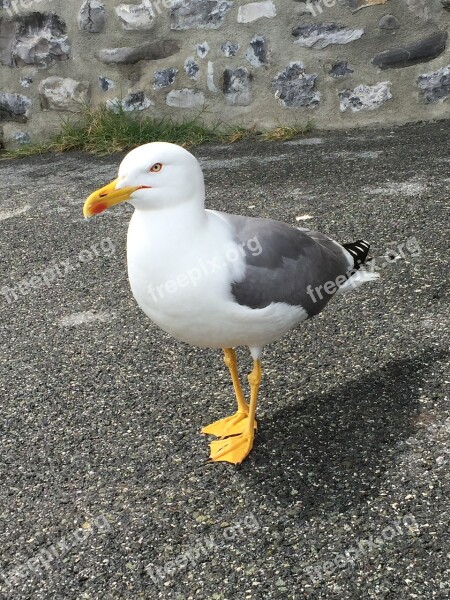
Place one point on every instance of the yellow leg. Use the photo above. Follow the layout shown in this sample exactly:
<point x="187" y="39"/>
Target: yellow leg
<point x="236" y="423"/>
<point x="235" y="449"/>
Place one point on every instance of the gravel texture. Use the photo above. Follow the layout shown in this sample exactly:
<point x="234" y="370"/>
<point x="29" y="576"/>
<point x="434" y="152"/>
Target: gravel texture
<point x="103" y="470"/>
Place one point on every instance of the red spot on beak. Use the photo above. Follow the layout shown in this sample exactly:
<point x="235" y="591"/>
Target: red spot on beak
<point x="98" y="208"/>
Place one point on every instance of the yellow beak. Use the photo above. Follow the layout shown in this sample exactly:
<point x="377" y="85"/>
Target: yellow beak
<point x="106" y="197"/>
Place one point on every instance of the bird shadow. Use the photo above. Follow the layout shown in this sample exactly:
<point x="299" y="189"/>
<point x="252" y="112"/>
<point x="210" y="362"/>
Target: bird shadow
<point x="332" y="450"/>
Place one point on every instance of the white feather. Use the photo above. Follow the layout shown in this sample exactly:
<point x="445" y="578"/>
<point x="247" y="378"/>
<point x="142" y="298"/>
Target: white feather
<point x="357" y="280"/>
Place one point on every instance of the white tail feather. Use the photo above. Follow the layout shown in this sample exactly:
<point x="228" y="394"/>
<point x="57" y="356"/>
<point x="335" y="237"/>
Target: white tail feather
<point x="356" y="280"/>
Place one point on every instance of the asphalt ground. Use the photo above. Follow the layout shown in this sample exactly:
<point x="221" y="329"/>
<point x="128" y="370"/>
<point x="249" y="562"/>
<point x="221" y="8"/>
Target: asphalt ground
<point x="105" y="489"/>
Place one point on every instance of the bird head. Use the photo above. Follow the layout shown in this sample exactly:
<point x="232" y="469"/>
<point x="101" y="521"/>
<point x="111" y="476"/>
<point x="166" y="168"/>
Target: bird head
<point x="154" y="176"/>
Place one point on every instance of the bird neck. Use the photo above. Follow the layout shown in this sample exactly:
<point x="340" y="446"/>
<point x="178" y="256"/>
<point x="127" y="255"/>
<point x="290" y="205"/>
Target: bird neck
<point x="178" y="221"/>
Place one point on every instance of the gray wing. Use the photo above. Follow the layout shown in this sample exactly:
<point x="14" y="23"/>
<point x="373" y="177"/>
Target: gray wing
<point x="283" y="261"/>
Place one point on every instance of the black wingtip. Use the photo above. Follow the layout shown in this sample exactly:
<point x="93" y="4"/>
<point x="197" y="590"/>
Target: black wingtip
<point x="359" y="250"/>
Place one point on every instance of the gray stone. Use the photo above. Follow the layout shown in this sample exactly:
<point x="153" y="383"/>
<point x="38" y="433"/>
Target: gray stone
<point x="191" y="68"/>
<point x="237" y="86"/>
<point x="322" y="35"/>
<point x="446" y="4"/>
<point x="256" y="10"/>
<point x="258" y="52"/>
<point x="26" y="81"/>
<point x="202" y="49"/>
<point x="58" y="93"/>
<point x="92" y="16"/>
<point x="410" y="54"/>
<point x="136" y="17"/>
<point x="136" y="101"/>
<point x="198" y="14"/>
<point x="130" y="56"/>
<point x="14" y="107"/>
<point x="34" y="39"/>
<point x="389" y="22"/>
<point x="105" y="84"/>
<point x="210" y="79"/>
<point x="164" y="77"/>
<point x="340" y="69"/>
<point x="294" y="88"/>
<point x="230" y="49"/>
<point x="365" y="97"/>
<point x="22" y="138"/>
<point x="185" y="98"/>
<point x="435" y="86"/>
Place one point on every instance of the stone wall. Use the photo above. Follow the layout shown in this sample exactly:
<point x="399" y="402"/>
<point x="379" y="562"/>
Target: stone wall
<point x="340" y="63"/>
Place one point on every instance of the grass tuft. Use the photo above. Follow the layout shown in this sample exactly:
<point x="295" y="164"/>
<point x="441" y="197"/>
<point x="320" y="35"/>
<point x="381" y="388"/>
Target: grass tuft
<point x="102" y="131"/>
<point x="283" y="133"/>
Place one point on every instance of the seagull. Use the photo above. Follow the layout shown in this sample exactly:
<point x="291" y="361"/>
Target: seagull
<point x="218" y="280"/>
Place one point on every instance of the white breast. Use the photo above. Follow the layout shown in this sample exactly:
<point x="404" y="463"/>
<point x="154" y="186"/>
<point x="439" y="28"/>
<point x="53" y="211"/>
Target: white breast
<point x="180" y="274"/>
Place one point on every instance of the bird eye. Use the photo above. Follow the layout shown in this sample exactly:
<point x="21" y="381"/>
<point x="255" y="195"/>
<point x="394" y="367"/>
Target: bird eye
<point x="156" y="168"/>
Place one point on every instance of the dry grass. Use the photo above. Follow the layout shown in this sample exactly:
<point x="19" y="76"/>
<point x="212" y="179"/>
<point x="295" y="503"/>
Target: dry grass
<point x="283" y="133"/>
